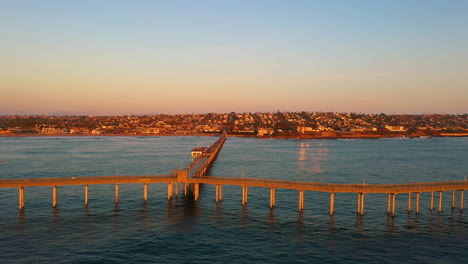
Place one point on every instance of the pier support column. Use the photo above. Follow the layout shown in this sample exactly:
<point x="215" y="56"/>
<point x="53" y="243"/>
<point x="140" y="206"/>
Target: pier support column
<point x="389" y="203"/>
<point x="360" y="209"/>
<point x="462" y="199"/>
<point x="301" y="200"/>
<point x="394" y="204"/>
<point x="185" y="188"/>
<point x="245" y="194"/>
<point x="170" y="189"/>
<point x="54" y="196"/>
<point x="272" y="197"/>
<point x="196" y="190"/>
<point x="440" y="201"/>
<point x="363" y="195"/>
<point x="177" y="189"/>
<point x="145" y="192"/>
<point x="431" y="205"/>
<point x="21" y="198"/>
<point x="359" y="203"/>
<point x="332" y="203"/>
<point x="116" y="193"/>
<point x="417" y="202"/>
<point x="409" y="202"/>
<point x="454" y="195"/>
<point x="219" y="192"/>
<point x="86" y="196"/>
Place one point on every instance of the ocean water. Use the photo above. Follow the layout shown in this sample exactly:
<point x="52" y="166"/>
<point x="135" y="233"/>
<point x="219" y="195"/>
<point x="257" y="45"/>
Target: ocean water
<point x="185" y="231"/>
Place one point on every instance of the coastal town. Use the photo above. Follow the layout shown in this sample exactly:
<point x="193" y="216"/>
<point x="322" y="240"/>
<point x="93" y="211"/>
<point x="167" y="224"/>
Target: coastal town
<point x="277" y="124"/>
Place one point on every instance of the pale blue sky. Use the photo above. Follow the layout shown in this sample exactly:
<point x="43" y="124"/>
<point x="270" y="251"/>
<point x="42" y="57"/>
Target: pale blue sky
<point x="124" y="57"/>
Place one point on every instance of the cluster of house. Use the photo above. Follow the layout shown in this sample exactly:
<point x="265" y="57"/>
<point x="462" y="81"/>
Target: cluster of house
<point x="261" y="124"/>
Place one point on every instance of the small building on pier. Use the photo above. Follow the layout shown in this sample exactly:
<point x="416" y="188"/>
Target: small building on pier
<point x="197" y="152"/>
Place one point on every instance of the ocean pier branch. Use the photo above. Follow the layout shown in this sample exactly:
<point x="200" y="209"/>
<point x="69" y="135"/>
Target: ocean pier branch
<point x="392" y="190"/>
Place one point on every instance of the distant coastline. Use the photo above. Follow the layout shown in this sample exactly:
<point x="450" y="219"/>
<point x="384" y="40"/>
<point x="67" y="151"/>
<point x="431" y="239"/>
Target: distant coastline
<point x="260" y="125"/>
<point x="319" y="135"/>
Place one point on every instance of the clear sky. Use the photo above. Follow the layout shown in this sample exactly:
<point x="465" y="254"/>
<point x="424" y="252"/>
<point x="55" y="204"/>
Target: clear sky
<point x="135" y="57"/>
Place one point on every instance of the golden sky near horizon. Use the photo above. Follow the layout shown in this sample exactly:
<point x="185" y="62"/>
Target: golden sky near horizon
<point x="92" y="58"/>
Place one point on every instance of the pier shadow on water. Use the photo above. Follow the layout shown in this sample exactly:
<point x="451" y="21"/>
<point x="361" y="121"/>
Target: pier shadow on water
<point x="183" y="213"/>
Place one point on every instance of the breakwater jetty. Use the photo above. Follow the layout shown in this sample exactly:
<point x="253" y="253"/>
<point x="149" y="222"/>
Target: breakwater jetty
<point x="195" y="174"/>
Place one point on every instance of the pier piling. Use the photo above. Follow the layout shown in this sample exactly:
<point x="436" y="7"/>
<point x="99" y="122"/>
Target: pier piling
<point x="462" y="199"/>
<point x="389" y="203"/>
<point x="196" y="191"/>
<point x="332" y="203"/>
<point x="170" y="189"/>
<point x="272" y="197"/>
<point x="431" y="205"/>
<point x="363" y="195"/>
<point x="245" y="194"/>
<point x="86" y="195"/>
<point x="454" y="194"/>
<point x="394" y="204"/>
<point x="145" y="192"/>
<point x="54" y="196"/>
<point x="21" y="198"/>
<point x="409" y="202"/>
<point x="360" y="208"/>
<point x="219" y="192"/>
<point x="301" y="200"/>
<point x="417" y="202"/>
<point x="440" y="201"/>
<point x="116" y="193"/>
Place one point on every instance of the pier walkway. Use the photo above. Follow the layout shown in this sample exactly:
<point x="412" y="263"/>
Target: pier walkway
<point x="193" y="175"/>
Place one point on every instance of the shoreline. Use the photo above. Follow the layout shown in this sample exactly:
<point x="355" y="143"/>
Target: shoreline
<point x="337" y="135"/>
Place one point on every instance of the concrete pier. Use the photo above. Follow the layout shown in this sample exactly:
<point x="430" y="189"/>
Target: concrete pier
<point x="390" y="189"/>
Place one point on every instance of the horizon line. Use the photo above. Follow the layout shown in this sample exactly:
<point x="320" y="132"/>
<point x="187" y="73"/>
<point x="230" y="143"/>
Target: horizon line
<point x="64" y="114"/>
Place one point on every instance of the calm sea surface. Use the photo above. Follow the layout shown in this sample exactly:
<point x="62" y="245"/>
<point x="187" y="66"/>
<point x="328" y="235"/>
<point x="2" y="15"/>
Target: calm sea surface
<point x="184" y="231"/>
